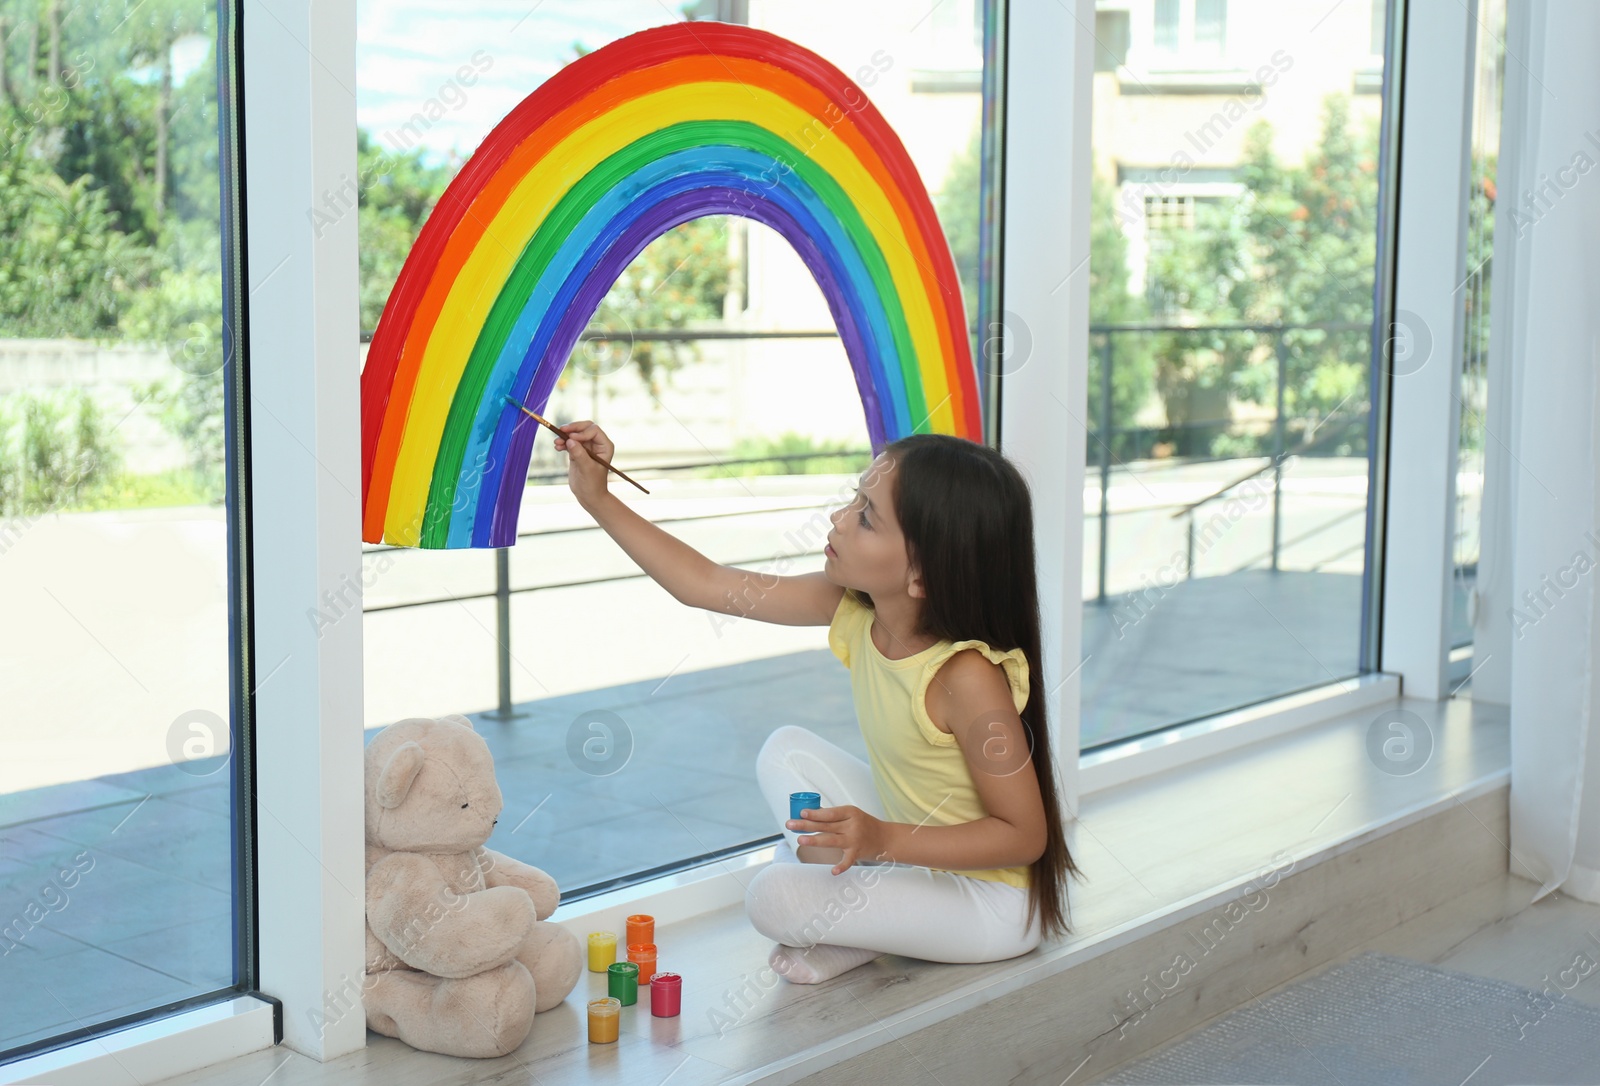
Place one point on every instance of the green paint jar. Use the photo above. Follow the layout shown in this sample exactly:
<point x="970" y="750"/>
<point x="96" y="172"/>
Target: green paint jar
<point x="622" y="982"/>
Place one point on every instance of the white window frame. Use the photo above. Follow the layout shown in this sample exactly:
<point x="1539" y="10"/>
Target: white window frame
<point x="1430" y="316"/>
<point x="1044" y="284"/>
<point x="305" y="405"/>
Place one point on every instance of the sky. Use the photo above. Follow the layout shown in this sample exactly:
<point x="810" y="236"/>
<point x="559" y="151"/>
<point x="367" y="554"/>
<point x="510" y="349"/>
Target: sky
<point x="410" y="51"/>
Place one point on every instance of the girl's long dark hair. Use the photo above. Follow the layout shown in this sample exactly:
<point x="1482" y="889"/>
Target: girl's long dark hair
<point x="967" y="516"/>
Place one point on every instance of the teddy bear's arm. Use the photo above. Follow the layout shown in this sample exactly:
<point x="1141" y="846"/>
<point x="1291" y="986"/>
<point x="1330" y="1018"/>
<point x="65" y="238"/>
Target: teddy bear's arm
<point x="502" y="870"/>
<point x="425" y="924"/>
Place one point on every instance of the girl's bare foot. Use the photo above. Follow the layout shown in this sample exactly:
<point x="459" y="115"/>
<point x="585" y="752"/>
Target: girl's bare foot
<point x="815" y="964"/>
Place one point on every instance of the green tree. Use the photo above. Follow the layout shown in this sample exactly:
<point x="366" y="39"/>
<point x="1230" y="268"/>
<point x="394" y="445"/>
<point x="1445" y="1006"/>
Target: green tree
<point x="1298" y="248"/>
<point x="151" y="30"/>
<point x="1131" y="354"/>
<point x="55" y="451"/>
<point x="679" y="280"/>
<point x="396" y="191"/>
<point x="109" y="208"/>
<point x="1480" y="262"/>
<point x="956" y="204"/>
<point x="63" y="264"/>
<point x="1132" y="361"/>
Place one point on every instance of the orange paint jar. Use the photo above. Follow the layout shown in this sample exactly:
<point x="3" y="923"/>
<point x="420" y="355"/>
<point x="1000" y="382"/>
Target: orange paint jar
<point x="644" y="955"/>
<point x="641" y="929"/>
<point x="605" y="1020"/>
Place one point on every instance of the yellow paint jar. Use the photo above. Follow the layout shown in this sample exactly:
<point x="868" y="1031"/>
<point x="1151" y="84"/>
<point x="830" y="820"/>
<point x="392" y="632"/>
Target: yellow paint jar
<point x="602" y="950"/>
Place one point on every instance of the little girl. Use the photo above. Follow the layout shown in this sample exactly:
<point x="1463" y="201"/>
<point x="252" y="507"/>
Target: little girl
<point x="948" y="846"/>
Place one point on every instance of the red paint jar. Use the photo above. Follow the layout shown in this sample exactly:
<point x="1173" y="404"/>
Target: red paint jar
<point x="666" y="995"/>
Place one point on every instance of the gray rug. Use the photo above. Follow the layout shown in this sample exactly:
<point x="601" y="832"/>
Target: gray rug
<point x="1388" y="1021"/>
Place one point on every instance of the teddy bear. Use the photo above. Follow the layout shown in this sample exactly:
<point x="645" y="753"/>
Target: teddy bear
<point x="460" y="955"/>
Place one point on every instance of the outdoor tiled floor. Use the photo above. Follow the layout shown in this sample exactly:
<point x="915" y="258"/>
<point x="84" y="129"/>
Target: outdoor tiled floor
<point x="129" y="901"/>
<point x="688" y="785"/>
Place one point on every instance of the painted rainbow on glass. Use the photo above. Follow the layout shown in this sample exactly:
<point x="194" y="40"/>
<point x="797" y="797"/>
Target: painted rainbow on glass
<point x="655" y="129"/>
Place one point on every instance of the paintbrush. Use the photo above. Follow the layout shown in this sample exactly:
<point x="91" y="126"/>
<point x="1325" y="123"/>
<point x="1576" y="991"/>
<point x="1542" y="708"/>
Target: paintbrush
<point x="554" y="429"/>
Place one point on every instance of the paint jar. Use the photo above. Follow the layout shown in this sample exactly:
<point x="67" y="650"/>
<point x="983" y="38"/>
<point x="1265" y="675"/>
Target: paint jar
<point x="666" y="995"/>
<point x="641" y="928"/>
<point x="803" y="801"/>
<point x="602" y="950"/>
<point x="644" y="956"/>
<point x="605" y="1018"/>
<point x="622" y="982"/>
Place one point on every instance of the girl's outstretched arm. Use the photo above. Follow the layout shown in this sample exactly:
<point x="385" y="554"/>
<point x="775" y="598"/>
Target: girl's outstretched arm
<point x="806" y="600"/>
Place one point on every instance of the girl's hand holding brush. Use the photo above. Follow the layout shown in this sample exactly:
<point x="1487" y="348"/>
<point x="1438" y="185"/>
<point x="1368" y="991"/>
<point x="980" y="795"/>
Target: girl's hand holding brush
<point x="574" y="429"/>
<point x="588" y="451"/>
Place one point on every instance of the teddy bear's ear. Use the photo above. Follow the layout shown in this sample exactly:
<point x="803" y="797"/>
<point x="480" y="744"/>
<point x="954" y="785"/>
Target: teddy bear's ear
<point x="457" y="718"/>
<point x="398" y="773"/>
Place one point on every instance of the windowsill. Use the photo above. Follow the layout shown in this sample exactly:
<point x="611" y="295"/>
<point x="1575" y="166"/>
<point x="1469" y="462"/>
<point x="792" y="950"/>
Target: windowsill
<point x="1159" y="849"/>
<point x="142" y="1053"/>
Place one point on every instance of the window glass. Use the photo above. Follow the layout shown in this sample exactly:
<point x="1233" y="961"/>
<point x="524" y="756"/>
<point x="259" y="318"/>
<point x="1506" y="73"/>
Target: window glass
<point x="1233" y="253"/>
<point x="116" y="879"/>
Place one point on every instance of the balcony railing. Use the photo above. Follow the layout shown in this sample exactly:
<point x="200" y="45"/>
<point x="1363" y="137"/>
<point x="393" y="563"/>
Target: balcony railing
<point x="1099" y="449"/>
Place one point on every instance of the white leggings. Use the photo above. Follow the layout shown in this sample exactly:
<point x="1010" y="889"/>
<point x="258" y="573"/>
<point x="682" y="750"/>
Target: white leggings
<point x="892" y="908"/>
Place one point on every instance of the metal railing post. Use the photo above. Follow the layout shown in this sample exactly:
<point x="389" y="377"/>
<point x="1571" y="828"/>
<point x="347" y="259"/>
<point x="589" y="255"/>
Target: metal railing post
<point x="1105" y="460"/>
<point x="1281" y="351"/>
<point x="502" y="608"/>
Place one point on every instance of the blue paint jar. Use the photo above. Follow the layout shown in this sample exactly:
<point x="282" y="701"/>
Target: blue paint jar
<point x="803" y="801"/>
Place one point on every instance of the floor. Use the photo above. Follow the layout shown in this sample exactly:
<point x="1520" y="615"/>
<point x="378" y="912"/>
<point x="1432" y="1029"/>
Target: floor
<point x="1551" y="946"/>
<point x="117" y="900"/>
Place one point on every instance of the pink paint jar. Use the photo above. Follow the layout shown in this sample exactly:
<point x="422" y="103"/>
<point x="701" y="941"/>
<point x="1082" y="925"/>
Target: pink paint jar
<point x="666" y="995"/>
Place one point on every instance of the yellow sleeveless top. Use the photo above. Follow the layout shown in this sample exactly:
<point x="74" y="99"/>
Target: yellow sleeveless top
<point x="920" y="771"/>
